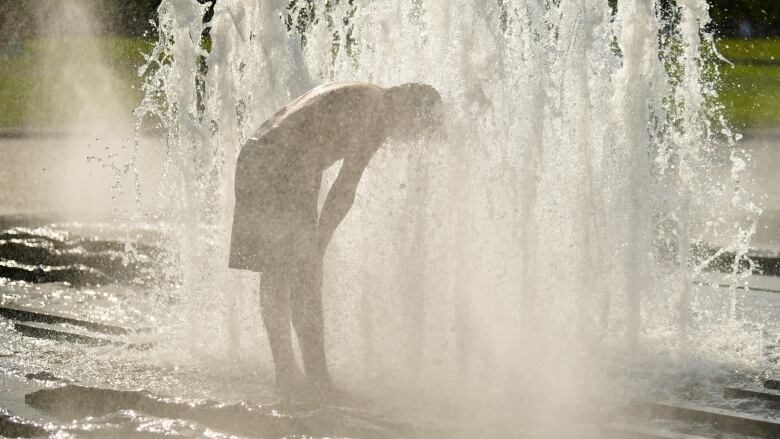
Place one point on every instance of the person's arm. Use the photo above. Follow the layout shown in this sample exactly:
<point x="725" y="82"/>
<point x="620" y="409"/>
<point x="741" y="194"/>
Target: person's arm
<point x="340" y="198"/>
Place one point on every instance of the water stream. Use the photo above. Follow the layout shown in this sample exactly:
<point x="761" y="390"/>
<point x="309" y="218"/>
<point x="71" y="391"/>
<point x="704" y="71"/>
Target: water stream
<point x="552" y="222"/>
<point x="536" y="263"/>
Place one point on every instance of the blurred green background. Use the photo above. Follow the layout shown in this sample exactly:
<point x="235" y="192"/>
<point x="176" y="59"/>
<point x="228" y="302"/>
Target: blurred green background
<point x="25" y="79"/>
<point x="747" y="34"/>
<point x="750" y="90"/>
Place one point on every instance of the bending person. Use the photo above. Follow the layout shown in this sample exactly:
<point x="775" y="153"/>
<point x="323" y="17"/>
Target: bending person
<point x="276" y="228"/>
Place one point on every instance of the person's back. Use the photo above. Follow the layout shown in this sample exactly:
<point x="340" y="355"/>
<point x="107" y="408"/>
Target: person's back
<point x="276" y="229"/>
<point x="328" y="122"/>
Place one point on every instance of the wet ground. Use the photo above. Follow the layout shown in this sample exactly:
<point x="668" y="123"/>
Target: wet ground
<point x="139" y="383"/>
<point x="143" y="384"/>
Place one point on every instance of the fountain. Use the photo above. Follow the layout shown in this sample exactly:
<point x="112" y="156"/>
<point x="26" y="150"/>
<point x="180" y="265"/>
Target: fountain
<point x="537" y="263"/>
<point x="549" y="234"/>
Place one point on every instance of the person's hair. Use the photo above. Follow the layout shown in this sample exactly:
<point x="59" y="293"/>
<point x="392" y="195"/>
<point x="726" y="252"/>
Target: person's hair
<point x="411" y="107"/>
<point x="413" y="98"/>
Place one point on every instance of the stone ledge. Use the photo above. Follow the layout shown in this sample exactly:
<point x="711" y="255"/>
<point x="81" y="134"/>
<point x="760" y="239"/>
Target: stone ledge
<point x="31" y="315"/>
<point x="725" y="420"/>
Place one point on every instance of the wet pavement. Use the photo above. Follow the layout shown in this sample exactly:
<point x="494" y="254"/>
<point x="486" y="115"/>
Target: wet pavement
<point x="82" y="390"/>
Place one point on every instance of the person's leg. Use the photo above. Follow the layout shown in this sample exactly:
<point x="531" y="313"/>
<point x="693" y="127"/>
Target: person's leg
<point x="307" y="318"/>
<point x="275" y="309"/>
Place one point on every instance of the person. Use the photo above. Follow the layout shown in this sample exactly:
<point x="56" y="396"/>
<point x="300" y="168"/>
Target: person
<point x="277" y="231"/>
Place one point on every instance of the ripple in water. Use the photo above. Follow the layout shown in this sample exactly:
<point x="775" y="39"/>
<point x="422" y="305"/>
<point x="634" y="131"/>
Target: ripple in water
<point x="534" y="266"/>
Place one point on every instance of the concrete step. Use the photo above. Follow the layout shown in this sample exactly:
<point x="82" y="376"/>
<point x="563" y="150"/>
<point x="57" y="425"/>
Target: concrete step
<point x="33" y="315"/>
<point x="747" y="392"/>
<point x="618" y="430"/>
<point x="12" y="426"/>
<point x="43" y="331"/>
<point x="772" y="384"/>
<point x="725" y="420"/>
<point x="311" y="419"/>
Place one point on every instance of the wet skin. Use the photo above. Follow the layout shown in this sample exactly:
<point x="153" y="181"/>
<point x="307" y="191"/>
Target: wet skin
<point x="343" y="121"/>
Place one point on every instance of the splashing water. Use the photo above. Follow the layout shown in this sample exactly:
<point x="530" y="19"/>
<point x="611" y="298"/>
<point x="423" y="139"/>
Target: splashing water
<point x="540" y="250"/>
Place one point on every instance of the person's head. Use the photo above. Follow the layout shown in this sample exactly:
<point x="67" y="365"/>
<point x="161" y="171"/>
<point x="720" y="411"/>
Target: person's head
<point x="412" y="109"/>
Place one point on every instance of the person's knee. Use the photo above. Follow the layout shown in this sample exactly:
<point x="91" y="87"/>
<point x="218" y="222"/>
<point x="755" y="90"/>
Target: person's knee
<point x="306" y="306"/>
<point x="306" y="274"/>
<point x="302" y="322"/>
<point x="274" y="288"/>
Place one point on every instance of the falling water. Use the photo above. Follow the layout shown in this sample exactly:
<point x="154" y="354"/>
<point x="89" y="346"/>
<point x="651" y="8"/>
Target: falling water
<point x="546" y="239"/>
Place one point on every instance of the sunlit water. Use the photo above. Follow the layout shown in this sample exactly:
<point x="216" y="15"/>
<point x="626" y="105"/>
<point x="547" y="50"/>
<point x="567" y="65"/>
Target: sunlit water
<point x="236" y="395"/>
<point x="530" y="273"/>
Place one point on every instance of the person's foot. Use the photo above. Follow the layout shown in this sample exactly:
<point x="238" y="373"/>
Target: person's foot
<point x="334" y="396"/>
<point x="293" y="388"/>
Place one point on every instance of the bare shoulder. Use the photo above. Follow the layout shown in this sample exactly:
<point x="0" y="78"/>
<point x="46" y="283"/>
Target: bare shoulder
<point x="341" y="89"/>
<point x="328" y="92"/>
<point x="336" y="98"/>
<point x="346" y="85"/>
